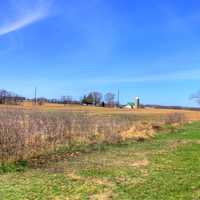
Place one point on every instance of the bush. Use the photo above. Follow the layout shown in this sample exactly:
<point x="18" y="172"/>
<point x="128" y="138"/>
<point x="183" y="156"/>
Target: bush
<point x="175" y="118"/>
<point x="19" y="166"/>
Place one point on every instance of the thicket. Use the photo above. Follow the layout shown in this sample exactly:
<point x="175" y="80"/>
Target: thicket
<point x="25" y="134"/>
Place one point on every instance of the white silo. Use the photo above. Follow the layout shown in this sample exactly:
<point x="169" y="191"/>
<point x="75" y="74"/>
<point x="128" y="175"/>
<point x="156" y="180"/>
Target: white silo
<point x="137" y="102"/>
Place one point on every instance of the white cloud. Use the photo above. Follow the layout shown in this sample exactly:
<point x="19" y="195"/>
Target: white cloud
<point x="25" y="18"/>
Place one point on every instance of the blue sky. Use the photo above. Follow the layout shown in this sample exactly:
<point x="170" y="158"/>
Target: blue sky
<point x="146" y="48"/>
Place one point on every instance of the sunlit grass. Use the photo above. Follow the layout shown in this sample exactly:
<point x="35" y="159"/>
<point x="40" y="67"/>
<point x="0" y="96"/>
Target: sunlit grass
<point x="166" y="167"/>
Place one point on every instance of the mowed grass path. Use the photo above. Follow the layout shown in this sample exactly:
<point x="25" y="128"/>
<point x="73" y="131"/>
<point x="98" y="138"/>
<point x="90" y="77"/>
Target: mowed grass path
<point x="167" y="167"/>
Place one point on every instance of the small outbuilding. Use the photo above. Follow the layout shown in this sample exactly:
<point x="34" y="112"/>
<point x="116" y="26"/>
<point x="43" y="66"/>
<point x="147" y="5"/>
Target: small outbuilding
<point x="129" y="105"/>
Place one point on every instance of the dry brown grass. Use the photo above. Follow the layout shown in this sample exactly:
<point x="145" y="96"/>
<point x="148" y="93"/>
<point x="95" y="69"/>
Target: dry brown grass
<point x="27" y="131"/>
<point x="175" y="119"/>
<point x="141" y="131"/>
<point x="190" y="115"/>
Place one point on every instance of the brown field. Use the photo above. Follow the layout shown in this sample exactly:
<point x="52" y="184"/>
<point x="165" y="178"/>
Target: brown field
<point x="190" y="115"/>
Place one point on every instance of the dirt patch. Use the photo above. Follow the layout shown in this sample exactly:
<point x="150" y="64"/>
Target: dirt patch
<point x="56" y="170"/>
<point x="74" y="176"/>
<point x="102" y="181"/>
<point x="141" y="163"/>
<point x="198" y="141"/>
<point x="177" y="143"/>
<point x="103" y="196"/>
<point x="106" y="194"/>
<point x="145" y="173"/>
<point x="46" y="160"/>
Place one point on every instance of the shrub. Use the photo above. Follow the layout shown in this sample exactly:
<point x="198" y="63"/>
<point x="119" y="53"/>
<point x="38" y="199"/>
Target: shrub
<point x="18" y="166"/>
<point x="175" y="118"/>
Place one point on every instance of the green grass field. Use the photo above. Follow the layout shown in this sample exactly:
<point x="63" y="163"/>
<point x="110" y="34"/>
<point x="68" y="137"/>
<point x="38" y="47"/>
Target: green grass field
<point x="164" y="168"/>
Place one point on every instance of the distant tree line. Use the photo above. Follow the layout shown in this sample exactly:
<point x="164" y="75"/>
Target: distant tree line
<point x="7" y="97"/>
<point x="94" y="98"/>
<point x="63" y="100"/>
<point x="170" y="107"/>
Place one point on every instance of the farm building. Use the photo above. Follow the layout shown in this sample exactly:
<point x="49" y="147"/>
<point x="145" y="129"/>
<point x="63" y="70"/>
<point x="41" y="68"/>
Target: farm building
<point x="133" y="105"/>
<point x="129" y="105"/>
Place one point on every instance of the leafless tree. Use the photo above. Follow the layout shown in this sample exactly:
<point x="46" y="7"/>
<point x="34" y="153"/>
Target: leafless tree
<point x="42" y="100"/>
<point x="97" y="97"/>
<point x="7" y="97"/>
<point x="69" y="99"/>
<point x="66" y="100"/>
<point x="109" y="99"/>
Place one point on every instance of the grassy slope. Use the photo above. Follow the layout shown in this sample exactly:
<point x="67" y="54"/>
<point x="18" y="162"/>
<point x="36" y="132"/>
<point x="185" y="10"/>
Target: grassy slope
<point x="167" y="167"/>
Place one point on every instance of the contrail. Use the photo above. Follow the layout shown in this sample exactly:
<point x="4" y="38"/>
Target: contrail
<point x="33" y="16"/>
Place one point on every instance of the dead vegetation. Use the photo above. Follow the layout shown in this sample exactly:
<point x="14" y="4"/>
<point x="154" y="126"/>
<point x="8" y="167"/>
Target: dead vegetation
<point x="175" y="119"/>
<point x="141" y="131"/>
<point x="30" y="134"/>
<point x="26" y="134"/>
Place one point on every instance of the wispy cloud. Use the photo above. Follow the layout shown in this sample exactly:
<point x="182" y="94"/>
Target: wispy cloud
<point x="175" y="76"/>
<point x="26" y="17"/>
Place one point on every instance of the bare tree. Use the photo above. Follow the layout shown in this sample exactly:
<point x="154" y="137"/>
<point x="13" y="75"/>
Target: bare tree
<point x="7" y="97"/>
<point x="3" y="94"/>
<point x="69" y="99"/>
<point x="97" y="97"/>
<point x="42" y="100"/>
<point x="110" y="99"/>
<point x="66" y="100"/>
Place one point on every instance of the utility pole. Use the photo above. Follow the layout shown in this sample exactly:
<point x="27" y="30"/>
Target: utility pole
<point x="35" y="95"/>
<point x="118" y="98"/>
